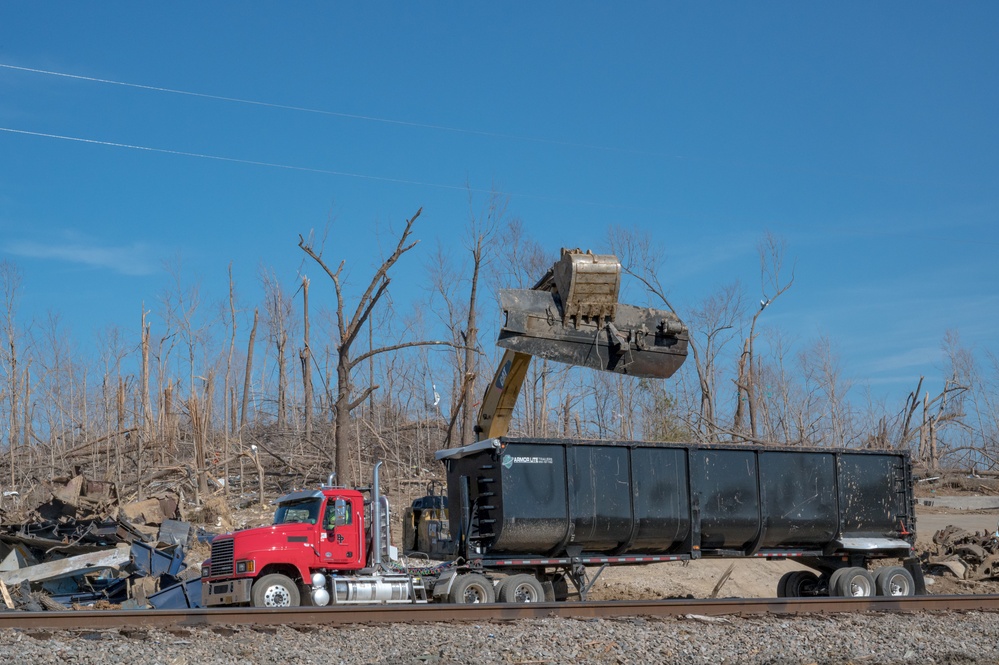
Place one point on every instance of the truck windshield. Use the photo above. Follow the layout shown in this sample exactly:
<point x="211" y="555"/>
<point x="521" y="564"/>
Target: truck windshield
<point x="306" y="510"/>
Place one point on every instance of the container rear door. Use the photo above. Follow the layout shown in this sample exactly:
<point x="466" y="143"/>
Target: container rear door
<point x="872" y="494"/>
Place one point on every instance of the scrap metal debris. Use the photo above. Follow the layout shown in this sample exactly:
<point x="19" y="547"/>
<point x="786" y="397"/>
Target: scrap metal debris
<point x="969" y="555"/>
<point x="77" y="546"/>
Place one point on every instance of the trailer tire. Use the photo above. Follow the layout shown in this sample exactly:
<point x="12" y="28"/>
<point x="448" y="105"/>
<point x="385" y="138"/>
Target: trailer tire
<point x="782" y="584"/>
<point x="798" y="584"/>
<point x="472" y="588"/>
<point x="894" y="581"/>
<point x="275" y="590"/>
<point x="834" y="580"/>
<point x="521" y="589"/>
<point x="854" y="583"/>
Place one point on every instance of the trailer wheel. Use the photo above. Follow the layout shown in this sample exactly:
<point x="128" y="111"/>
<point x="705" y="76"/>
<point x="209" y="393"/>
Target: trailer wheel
<point x="894" y="581"/>
<point x="521" y="589"/>
<point x="782" y="585"/>
<point x="833" y="581"/>
<point x="472" y="588"/>
<point x="275" y="590"/>
<point x="853" y="583"/>
<point x="797" y="584"/>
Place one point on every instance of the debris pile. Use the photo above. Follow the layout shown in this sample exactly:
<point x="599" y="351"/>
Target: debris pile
<point x="76" y="547"/>
<point x="969" y="555"/>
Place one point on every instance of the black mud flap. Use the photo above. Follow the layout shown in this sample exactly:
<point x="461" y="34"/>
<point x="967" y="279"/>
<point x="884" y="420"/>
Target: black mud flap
<point x="916" y="570"/>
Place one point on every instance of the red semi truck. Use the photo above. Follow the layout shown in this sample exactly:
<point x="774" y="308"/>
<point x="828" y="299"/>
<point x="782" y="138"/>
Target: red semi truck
<point x="318" y="550"/>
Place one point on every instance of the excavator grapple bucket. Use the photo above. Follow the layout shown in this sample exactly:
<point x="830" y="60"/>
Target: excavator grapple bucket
<point x="640" y="342"/>
<point x="587" y="284"/>
<point x="572" y="316"/>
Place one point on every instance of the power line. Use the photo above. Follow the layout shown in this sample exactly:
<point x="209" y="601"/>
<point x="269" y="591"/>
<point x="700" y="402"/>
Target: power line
<point x="308" y="169"/>
<point x="812" y="172"/>
<point x="339" y="114"/>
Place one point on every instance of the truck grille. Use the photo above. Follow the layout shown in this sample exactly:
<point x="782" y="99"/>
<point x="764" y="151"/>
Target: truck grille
<point x="222" y="556"/>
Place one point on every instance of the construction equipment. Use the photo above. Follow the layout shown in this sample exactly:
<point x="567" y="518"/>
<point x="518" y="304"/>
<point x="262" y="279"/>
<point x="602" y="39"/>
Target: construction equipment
<point x="572" y="315"/>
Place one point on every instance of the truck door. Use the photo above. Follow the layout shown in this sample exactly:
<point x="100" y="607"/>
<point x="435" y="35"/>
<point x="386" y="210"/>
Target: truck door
<point x="339" y="540"/>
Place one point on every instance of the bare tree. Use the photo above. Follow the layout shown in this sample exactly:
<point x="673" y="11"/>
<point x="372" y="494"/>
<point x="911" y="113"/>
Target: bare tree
<point x="278" y="318"/>
<point x="305" y="357"/>
<point x="10" y="282"/>
<point x="711" y="324"/>
<point x="773" y="284"/>
<point x="481" y="230"/>
<point x="350" y="327"/>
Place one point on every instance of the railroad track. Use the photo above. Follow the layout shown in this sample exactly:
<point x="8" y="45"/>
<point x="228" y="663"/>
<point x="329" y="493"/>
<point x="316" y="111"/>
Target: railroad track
<point x="371" y="614"/>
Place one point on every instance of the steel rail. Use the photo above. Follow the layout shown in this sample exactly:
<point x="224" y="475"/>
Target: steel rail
<point x="372" y="614"/>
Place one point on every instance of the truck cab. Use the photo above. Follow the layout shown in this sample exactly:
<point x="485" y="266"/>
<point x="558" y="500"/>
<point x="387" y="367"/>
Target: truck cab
<point x="315" y="531"/>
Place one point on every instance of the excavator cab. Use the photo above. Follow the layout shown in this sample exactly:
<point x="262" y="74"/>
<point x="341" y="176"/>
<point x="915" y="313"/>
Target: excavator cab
<point x="572" y="316"/>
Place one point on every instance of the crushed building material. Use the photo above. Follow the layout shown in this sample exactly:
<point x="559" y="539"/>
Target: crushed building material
<point x="968" y="555"/>
<point x="77" y="546"/>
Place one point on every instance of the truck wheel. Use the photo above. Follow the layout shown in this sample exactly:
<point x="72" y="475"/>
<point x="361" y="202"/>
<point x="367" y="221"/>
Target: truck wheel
<point x="894" y="581"/>
<point x="275" y="590"/>
<point x="834" y="581"/>
<point x="472" y="588"/>
<point x="805" y="584"/>
<point x="782" y="584"/>
<point x="798" y="584"/>
<point x="854" y="583"/>
<point x="522" y="589"/>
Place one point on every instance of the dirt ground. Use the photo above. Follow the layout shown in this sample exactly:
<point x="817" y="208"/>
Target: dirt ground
<point x="758" y="579"/>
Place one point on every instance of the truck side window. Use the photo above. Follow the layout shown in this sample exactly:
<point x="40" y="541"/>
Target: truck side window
<point x="333" y="511"/>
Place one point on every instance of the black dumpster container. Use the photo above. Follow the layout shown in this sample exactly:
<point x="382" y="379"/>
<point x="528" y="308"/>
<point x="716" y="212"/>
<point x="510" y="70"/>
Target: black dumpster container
<point x="563" y="498"/>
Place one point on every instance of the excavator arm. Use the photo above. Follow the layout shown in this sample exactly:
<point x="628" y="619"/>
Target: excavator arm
<point x="572" y="316"/>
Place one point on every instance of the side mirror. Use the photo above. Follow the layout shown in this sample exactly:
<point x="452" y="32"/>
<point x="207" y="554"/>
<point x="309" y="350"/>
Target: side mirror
<point x="339" y="513"/>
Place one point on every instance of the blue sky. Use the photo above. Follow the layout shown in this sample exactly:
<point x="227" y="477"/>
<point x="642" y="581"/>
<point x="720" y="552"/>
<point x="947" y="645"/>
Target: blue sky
<point x="863" y="133"/>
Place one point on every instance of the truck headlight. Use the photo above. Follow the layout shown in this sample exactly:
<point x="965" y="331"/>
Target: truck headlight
<point x="245" y="566"/>
<point x="206" y="571"/>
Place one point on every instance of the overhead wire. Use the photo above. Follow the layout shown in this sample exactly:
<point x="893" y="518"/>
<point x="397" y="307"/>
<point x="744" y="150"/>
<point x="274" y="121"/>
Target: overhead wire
<point x="340" y="114"/>
<point x="310" y="169"/>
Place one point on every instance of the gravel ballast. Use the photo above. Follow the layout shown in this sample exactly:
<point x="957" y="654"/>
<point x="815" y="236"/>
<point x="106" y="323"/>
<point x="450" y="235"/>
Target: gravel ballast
<point x="970" y="637"/>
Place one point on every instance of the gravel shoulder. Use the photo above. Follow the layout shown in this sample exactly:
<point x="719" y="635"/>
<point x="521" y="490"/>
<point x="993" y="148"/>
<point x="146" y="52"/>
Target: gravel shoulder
<point x="920" y="638"/>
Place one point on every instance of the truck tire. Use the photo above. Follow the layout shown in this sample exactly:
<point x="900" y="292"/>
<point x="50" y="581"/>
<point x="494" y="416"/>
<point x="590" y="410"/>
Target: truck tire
<point x="854" y="583"/>
<point x="472" y="588"/>
<point x="798" y="584"/>
<point x="275" y="590"/>
<point x="521" y="589"/>
<point x="834" y="580"/>
<point x="782" y="585"/>
<point x="894" y="581"/>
